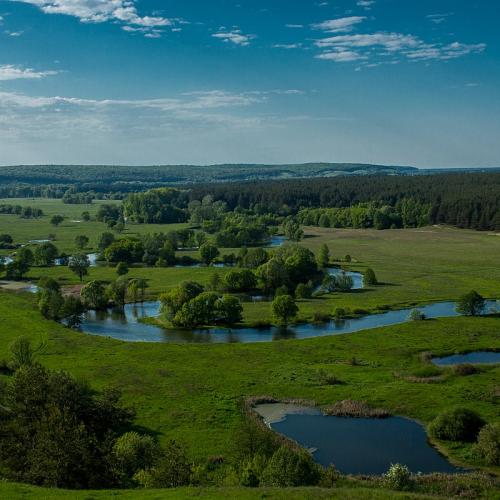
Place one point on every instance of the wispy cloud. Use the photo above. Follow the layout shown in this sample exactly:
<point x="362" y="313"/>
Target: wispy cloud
<point x="287" y="45"/>
<point x="12" y="72"/>
<point x="234" y="36"/>
<point x="189" y="101"/>
<point x="341" y="25"/>
<point x="381" y="44"/>
<point x="38" y="118"/>
<point x="341" y="56"/>
<point x="100" y="11"/>
<point x="439" y="18"/>
<point x="366" y="4"/>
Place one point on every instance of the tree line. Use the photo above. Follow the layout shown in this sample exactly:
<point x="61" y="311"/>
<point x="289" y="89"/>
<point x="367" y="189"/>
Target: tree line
<point x="465" y="200"/>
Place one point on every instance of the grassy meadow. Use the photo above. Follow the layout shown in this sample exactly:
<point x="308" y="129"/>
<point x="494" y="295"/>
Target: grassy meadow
<point x="191" y="392"/>
<point x="413" y="266"/>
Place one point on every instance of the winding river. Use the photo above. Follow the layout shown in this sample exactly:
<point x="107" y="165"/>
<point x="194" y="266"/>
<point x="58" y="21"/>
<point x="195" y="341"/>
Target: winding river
<point x="126" y="325"/>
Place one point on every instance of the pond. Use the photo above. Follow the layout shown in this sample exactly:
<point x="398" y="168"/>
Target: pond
<point x="357" y="278"/>
<point x="357" y="445"/>
<point x="91" y="256"/>
<point x="477" y="357"/>
<point x="125" y="325"/>
<point x="276" y="241"/>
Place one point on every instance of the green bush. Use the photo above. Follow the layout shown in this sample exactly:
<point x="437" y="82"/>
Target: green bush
<point x="465" y="369"/>
<point x="133" y="452"/>
<point x="398" y="477"/>
<point x="459" y="424"/>
<point x="416" y="315"/>
<point x="319" y="317"/>
<point x="427" y="371"/>
<point x="488" y="444"/>
<point x="370" y="277"/>
<point x="288" y="468"/>
<point x="340" y="313"/>
<point x="171" y="471"/>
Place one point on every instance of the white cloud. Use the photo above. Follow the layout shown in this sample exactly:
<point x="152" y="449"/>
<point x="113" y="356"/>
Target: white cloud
<point x="342" y="25"/>
<point x="390" y="41"/>
<point x="189" y="101"/>
<point x="341" y="56"/>
<point x="366" y="4"/>
<point x="235" y="36"/>
<point x="11" y="72"/>
<point x="37" y="119"/>
<point x="392" y="44"/>
<point x="439" y="18"/>
<point x="294" y="26"/>
<point x="100" y="11"/>
<point x="287" y="45"/>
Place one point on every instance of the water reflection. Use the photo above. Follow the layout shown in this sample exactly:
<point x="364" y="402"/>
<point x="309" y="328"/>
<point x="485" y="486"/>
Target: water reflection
<point x="125" y="324"/>
<point x="477" y="357"/>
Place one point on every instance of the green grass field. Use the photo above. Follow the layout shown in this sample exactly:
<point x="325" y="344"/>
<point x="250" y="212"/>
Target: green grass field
<point x="18" y="491"/>
<point x="191" y="392"/>
<point x="23" y="230"/>
<point x="413" y="266"/>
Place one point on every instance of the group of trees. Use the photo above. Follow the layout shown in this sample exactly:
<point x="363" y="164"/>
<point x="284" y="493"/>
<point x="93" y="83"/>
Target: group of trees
<point x="58" y="432"/>
<point x="26" y="212"/>
<point x="153" y="249"/>
<point x="406" y="213"/>
<point x="95" y="295"/>
<point x="6" y="242"/>
<point x="288" y="266"/>
<point x="56" y="306"/>
<point x="156" y="206"/>
<point x="189" y="305"/>
<point x="72" y="197"/>
<point x="468" y="200"/>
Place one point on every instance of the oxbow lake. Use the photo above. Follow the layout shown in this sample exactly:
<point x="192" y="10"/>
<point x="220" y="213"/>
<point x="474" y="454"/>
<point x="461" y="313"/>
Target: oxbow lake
<point x="477" y="357"/>
<point x="356" y="445"/>
<point x="124" y="324"/>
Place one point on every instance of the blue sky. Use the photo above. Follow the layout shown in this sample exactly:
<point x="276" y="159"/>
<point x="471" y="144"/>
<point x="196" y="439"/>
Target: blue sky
<point x="407" y="82"/>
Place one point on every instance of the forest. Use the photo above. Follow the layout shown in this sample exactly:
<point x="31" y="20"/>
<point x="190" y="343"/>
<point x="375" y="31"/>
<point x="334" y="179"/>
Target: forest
<point x="465" y="200"/>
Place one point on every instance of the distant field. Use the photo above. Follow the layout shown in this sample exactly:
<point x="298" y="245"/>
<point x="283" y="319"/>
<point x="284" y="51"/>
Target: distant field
<point x="23" y="230"/>
<point x="413" y="265"/>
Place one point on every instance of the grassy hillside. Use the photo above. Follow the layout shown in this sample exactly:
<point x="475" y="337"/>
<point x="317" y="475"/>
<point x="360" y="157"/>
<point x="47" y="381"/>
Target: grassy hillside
<point x="17" y="491"/>
<point x="182" y="174"/>
<point x="191" y="392"/>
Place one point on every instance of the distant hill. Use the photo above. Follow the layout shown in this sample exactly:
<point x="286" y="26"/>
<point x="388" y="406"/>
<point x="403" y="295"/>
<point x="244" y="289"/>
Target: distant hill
<point x="187" y="174"/>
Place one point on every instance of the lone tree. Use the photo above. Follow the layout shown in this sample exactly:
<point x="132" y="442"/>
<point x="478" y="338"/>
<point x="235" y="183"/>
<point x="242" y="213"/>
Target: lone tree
<point x="324" y="256"/>
<point x="470" y="304"/>
<point x="208" y="253"/>
<point x="45" y="254"/>
<point x="81" y="241"/>
<point x="79" y="264"/>
<point x="93" y="295"/>
<point x="121" y="268"/>
<point x="56" y="220"/>
<point x="284" y="309"/>
<point x="117" y="291"/>
<point x="292" y="230"/>
<point x="370" y="277"/>
<point x="137" y="289"/>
